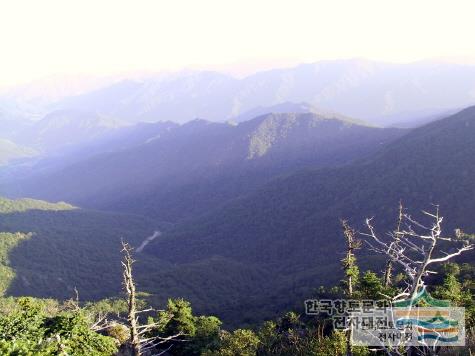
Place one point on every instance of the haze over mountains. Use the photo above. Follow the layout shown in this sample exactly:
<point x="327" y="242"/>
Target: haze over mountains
<point x="192" y="160"/>
<point x="383" y="94"/>
<point x="357" y="88"/>
<point x="245" y="178"/>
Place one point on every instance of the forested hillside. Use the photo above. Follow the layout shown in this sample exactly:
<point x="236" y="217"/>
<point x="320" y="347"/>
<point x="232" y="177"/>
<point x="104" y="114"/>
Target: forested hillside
<point x="121" y="326"/>
<point x="270" y="243"/>
<point x="186" y="170"/>
<point x="50" y="249"/>
<point x="274" y="241"/>
<point x="289" y="228"/>
<point x="21" y="205"/>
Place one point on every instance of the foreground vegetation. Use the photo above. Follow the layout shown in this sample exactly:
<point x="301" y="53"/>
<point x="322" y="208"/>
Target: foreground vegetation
<point x="31" y="326"/>
<point x="128" y="326"/>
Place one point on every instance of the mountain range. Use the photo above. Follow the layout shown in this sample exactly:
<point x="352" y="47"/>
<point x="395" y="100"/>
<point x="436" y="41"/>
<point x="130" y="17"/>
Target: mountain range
<point x="178" y="171"/>
<point x="357" y="88"/>
<point x="246" y="179"/>
<point x="381" y="93"/>
<point x="54" y="115"/>
<point x="248" y="212"/>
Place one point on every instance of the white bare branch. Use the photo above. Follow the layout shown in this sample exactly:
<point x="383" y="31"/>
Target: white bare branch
<point x="414" y="250"/>
<point x="448" y="257"/>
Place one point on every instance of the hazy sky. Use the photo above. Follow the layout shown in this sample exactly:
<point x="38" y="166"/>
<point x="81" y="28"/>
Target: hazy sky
<point x="42" y="38"/>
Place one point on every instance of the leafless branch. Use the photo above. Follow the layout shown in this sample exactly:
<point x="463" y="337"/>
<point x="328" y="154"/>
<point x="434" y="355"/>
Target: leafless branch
<point x="413" y="250"/>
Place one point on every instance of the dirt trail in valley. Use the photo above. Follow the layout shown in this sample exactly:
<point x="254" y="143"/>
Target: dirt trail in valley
<point x="149" y="239"/>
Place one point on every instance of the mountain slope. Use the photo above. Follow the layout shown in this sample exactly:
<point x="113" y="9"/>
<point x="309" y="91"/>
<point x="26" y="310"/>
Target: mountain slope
<point x="297" y="108"/>
<point x="49" y="249"/>
<point x="10" y="151"/>
<point x="199" y="165"/>
<point x="113" y="140"/>
<point x="290" y="227"/>
<point x="8" y="206"/>
<point x="180" y="97"/>
<point x="65" y="128"/>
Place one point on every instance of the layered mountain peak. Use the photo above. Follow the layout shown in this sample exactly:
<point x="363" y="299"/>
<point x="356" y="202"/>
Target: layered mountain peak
<point x="306" y="118"/>
<point x="300" y="131"/>
<point x="66" y="128"/>
<point x="291" y="107"/>
<point x="77" y="118"/>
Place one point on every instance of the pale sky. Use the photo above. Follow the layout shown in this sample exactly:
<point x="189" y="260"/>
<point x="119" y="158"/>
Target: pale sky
<point x="40" y="38"/>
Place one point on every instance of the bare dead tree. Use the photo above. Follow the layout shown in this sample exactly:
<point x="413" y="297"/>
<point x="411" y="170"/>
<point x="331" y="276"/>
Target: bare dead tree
<point x="129" y="285"/>
<point x="351" y="271"/>
<point x="396" y="236"/>
<point x="349" y="262"/>
<point x="415" y="247"/>
<point x="142" y="339"/>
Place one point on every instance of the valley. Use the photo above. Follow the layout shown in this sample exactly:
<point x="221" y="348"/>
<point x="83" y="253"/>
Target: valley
<point x="229" y="194"/>
<point x="252" y="207"/>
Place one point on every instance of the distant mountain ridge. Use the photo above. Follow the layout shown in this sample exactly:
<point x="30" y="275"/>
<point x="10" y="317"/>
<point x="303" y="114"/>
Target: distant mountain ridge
<point x="64" y="128"/>
<point x="200" y="153"/>
<point x="289" y="107"/>
<point x="382" y="94"/>
<point x="356" y="88"/>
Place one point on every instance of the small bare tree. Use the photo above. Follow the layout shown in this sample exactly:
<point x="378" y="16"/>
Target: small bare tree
<point x="141" y="340"/>
<point x="349" y="262"/>
<point x="416" y="247"/>
<point x="388" y="271"/>
<point x="351" y="273"/>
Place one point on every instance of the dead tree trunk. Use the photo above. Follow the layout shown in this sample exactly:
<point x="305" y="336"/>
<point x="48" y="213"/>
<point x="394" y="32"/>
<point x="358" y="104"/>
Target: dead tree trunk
<point x="351" y="272"/>
<point x="388" y="271"/>
<point x="129" y="286"/>
<point x="144" y="339"/>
